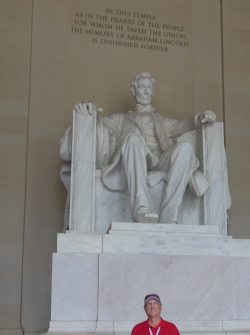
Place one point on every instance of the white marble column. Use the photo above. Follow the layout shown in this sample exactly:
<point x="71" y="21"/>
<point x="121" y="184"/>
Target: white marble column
<point x="82" y="202"/>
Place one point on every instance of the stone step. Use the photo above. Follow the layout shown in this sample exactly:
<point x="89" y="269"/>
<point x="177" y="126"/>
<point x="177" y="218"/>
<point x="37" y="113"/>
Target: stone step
<point x="124" y="327"/>
<point x="164" y="228"/>
<point x="160" y="244"/>
<point x="163" y="244"/>
<point x="153" y="233"/>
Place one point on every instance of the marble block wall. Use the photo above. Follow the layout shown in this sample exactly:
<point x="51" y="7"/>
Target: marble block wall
<point x="75" y="287"/>
<point x="111" y="287"/>
<point x="191" y="288"/>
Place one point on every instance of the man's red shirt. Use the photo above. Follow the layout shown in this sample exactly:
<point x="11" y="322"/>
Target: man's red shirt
<point x="167" y="328"/>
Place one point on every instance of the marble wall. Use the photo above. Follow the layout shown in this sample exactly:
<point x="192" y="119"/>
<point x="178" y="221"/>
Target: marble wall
<point x="236" y="45"/>
<point x="172" y="277"/>
<point x="44" y="218"/>
<point x="15" y="41"/>
<point x="39" y="50"/>
<point x="110" y="287"/>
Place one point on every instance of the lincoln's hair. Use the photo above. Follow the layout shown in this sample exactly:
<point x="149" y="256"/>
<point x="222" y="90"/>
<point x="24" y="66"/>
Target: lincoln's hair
<point x="135" y="82"/>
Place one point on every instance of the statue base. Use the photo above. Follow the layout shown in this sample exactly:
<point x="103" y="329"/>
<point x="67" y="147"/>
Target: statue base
<point x="99" y="281"/>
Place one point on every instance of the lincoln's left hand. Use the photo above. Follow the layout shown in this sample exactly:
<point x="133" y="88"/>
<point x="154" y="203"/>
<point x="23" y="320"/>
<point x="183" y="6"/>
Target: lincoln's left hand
<point x="207" y="117"/>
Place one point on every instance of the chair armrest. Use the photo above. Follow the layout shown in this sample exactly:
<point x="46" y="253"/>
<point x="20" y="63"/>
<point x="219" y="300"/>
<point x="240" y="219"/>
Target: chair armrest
<point x="215" y="169"/>
<point x="82" y="201"/>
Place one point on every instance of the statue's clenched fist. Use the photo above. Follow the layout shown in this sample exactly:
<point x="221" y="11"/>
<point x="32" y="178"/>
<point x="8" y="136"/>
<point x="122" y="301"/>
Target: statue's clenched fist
<point x="86" y="108"/>
<point x="207" y="117"/>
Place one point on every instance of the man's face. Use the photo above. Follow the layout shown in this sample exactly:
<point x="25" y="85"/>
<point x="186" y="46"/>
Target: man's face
<point x="153" y="308"/>
<point x="145" y="91"/>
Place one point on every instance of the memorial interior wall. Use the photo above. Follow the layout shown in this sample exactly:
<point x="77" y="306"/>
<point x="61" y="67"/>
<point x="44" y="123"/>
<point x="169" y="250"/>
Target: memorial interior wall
<point x="54" y="57"/>
<point x="236" y="50"/>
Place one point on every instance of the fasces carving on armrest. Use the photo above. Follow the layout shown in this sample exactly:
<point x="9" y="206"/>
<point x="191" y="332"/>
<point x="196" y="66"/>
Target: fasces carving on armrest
<point x="84" y="130"/>
<point x="215" y="169"/>
<point x="82" y="200"/>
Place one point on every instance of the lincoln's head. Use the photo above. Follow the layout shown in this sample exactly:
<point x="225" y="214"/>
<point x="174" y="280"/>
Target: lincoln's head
<point x="143" y="88"/>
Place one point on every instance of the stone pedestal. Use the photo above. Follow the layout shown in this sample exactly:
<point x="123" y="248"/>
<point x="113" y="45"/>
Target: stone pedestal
<point x="99" y="281"/>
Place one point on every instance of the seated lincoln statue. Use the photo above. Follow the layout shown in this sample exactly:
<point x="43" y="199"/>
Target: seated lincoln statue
<point x="128" y="145"/>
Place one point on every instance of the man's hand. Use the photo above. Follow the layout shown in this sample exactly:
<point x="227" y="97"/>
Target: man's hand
<point x="86" y="108"/>
<point x="207" y="117"/>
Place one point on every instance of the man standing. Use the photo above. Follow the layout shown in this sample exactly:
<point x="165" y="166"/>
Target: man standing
<point x="154" y="325"/>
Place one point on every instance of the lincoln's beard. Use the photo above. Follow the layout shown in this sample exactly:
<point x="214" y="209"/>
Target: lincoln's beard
<point x="143" y="101"/>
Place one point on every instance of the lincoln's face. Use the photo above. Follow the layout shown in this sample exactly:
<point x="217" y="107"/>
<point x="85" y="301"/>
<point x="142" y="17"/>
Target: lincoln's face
<point x="145" y="91"/>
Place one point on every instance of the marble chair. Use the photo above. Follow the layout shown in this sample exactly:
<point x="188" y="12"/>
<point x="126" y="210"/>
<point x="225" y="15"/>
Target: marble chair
<point x="94" y="207"/>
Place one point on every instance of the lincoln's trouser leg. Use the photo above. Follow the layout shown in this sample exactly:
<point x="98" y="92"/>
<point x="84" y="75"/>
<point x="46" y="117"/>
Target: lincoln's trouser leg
<point x="178" y="162"/>
<point x="134" y="153"/>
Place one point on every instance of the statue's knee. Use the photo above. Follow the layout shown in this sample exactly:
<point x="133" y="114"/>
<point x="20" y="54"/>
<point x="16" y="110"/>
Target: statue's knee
<point x="185" y="148"/>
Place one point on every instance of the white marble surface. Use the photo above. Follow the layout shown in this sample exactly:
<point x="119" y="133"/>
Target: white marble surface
<point x="74" y="287"/>
<point x="125" y="327"/>
<point x="237" y="327"/>
<point x="191" y="287"/>
<point x="242" y="288"/>
<point x="105" y="327"/>
<point x="114" y="232"/>
<point x="110" y="206"/>
<point x="217" y="199"/>
<point x="165" y="245"/>
<point x="200" y="294"/>
<point x="58" y="327"/>
<point x="240" y="248"/>
<point x="160" y="230"/>
<point x="164" y="228"/>
<point x="80" y="243"/>
<point x="165" y="239"/>
<point x="82" y="186"/>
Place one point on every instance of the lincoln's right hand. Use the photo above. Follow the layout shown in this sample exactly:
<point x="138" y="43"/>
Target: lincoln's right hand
<point x="86" y="108"/>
